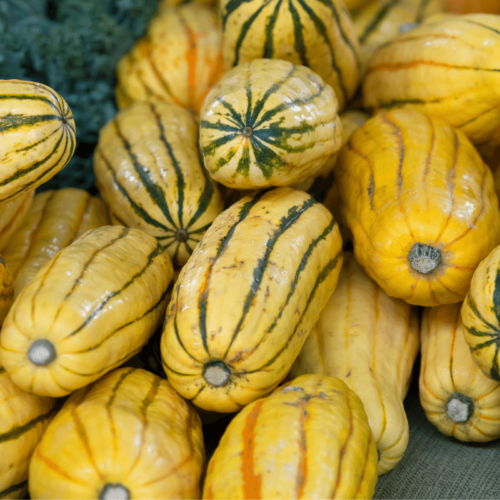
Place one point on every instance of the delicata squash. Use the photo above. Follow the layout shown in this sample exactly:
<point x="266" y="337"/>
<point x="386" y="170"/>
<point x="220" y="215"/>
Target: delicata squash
<point x="248" y="297"/>
<point x="421" y="205"/>
<point x="127" y="436"/>
<point x="87" y="311"/>
<point x="269" y="123"/>
<point x="447" y="67"/>
<point x="369" y="341"/>
<point x="456" y="396"/>
<point x="148" y="170"/>
<point x="321" y="447"/>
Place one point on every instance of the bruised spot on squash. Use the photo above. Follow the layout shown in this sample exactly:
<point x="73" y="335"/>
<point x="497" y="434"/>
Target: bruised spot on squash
<point x="424" y="258"/>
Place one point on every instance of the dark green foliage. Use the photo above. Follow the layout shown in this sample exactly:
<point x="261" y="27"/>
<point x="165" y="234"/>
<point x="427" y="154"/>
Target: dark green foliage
<point x="73" y="46"/>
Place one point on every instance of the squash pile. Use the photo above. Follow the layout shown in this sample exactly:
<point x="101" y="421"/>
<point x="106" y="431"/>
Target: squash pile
<point x="295" y="199"/>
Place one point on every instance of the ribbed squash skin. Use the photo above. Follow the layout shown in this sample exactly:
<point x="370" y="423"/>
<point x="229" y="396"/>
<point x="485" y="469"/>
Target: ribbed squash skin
<point x="248" y="297"/>
<point x="309" y="439"/>
<point x="447" y="67"/>
<point x="269" y="123"/>
<point x="148" y="170"/>
<point x="6" y="290"/>
<point x="178" y="60"/>
<point x="96" y="302"/>
<point x="370" y="341"/>
<point x="381" y="20"/>
<point x="411" y="185"/>
<point x="318" y="34"/>
<point x="54" y="220"/>
<point x="12" y="214"/>
<point x="37" y="131"/>
<point x="481" y="315"/>
<point x="130" y="428"/>
<point x="23" y="419"/>
<point x="456" y="396"/>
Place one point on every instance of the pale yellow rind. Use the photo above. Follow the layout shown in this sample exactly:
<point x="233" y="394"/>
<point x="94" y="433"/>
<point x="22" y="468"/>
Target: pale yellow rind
<point x="12" y="214"/>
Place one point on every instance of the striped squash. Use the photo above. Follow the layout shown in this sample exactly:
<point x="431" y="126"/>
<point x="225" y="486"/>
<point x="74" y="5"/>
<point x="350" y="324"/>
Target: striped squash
<point x="421" y="205"/>
<point x="148" y="170"/>
<point x="481" y="315"/>
<point x="318" y="34"/>
<point x="87" y="311"/>
<point x="381" y="20"/>
<point x="129" y="435"/>
<point x="370" y="341"/>
<point x="447" y="67"/>
<point x="12" y="214"/>
<point x="246" y="301"/>
<point x="178" y="60"/>
<point x="54" y="220"/>
<point x="456" y="396"/>
<point x="309" y="439"/>
<point x="6" y="290"/>
<point x="269" y="123"/>
<point x="37" y="132"/>
<point x="23" y="419"/>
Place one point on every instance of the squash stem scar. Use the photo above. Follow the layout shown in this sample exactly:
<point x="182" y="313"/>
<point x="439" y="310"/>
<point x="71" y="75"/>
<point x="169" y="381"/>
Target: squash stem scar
<point x="459" y="408"/>
<point x="114" y="492"/>
<point x="42" y="352"/>
<point x="216" y="373"/>
<point x="424" y="258"/>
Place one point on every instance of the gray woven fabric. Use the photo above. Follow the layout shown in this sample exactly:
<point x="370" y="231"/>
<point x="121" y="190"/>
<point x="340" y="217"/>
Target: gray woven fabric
<point x="435" y="466"/>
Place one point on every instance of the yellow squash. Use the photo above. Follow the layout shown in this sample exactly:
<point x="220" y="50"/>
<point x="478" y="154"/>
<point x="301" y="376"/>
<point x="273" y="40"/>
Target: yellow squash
<point x="421" y="205"/>
<point x="246" y="301"/>
<point x="12" y="214"/>
<point x="87" y="311"/>
<point x="178" y="60"/>
<point x="54" y="220"/>
<point x="456" y="396"/>
<point x="355" y="5"/>
<point x="37" y="133"/>
<point x="128" y="436"/>
<point x="481" y="315"/>
<point x="148" y="170"/>
<point x="381" y="20"/>
<point x="370" y="341"/>
<point x="6" y="290"/>
<point x="269" y="123"/>
<point x="447" y="67"/>
<point x="309" y="439"/>
<point x="318" y="34"/>
<point x="23" y="419"/>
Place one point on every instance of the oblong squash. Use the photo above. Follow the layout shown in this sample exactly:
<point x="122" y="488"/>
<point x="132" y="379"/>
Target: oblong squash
<point x="12" y="214"/>
<point x="87" y="311"/>
<point x="268" y="123"/>
<point x="421" y="205"/>
<point x="447" y="67"/>
<point x="318" y="34"/>
<point x="321" y="435"/>
<point x="381" y="20"/>
<point x="148" y="170"/>
<point x="481" y="315"/>
<point x="23" y="419"/>
<point x="129" y="435"/>
<point x="370" y="341"/>
<point x="456" y="396"/>
<point x="248" y="297"/>
<point x="54" y="220"/>
<point x="37" y="132"/>
<point x="178" y="60"/>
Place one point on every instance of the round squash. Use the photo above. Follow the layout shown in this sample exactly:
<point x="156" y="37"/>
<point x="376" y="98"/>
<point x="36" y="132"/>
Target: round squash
<point x="148" y="171"/>
<point x="247" y="299"/>
<point x="37" y="131"/>
<point x="12" y="214"/>
<point x="481" y="315"/>
<point x="54" y="220"/>
<point x="447" y="67"/>
<point x="86" y="311"/>
<point x="129" y="435"/>
<point x="456" y="396"/>
<point x="178" y="60"/>
<point x="318" y="34"/>
<point x="297" y="443"/>
<point x="23" y="420"/>
<point x="269" y="123"/>
<point x="421" y="205"/>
